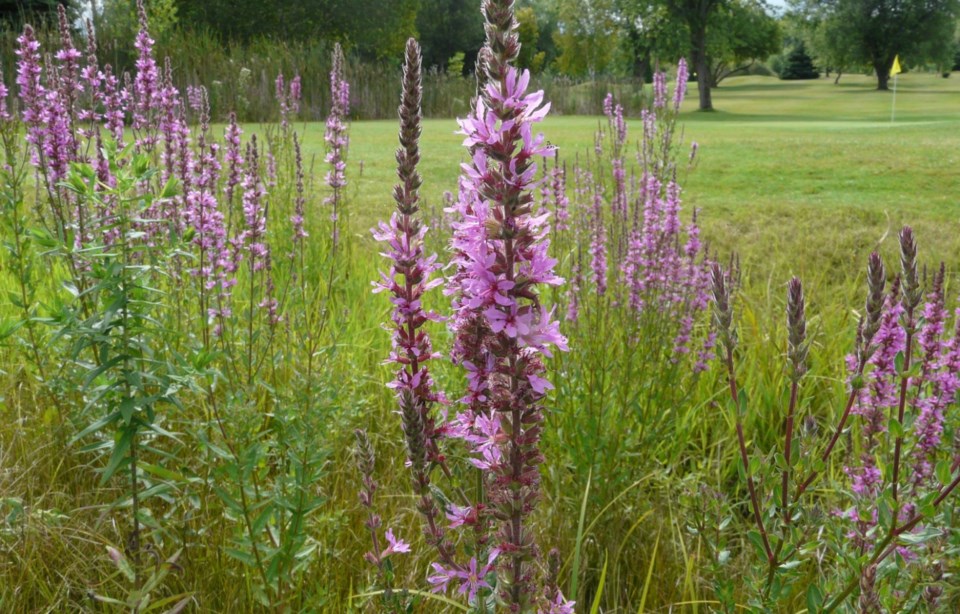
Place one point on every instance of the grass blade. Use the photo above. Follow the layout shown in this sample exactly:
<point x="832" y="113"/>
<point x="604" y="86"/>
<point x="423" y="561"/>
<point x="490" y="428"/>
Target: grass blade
<point x="575" y="572"/>
<point x="646" y="583"/>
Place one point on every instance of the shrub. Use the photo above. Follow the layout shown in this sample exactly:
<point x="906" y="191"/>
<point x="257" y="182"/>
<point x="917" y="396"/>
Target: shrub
<point x="798" y="65"/>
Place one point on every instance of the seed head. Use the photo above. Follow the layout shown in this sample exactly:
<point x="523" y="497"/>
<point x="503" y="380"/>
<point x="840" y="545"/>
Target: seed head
<point x="797" y="328"/>
<point x="912" y="294"/>
<point x="869" y="600"/>
<point x="408" y="154"/>
<point x="502" y="38"/>
<point x="722" y="308"/>
<point x="873" y="310"/>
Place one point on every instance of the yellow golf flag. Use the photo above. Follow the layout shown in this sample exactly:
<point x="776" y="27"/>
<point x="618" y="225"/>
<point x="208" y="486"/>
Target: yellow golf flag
<point x="895" y="69"/>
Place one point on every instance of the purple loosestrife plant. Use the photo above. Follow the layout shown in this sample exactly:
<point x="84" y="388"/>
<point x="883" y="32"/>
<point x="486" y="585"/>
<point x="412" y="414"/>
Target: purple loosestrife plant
<point x="146" y="219"/>
<point x="146" y="84"/>
<point x="408" y="279"/>
<point x="504" y="263"/>
<point x="638" y="296"/>
<point x="337" y="140"/>
<point x="502" y="330"/>
<point x="381" y="556"/>
<point x="33" y="98"/>
<point x="892" y="535"/>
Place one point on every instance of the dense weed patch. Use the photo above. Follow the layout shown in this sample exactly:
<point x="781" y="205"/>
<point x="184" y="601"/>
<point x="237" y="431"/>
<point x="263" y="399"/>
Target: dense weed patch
<point x="592" y="413"/>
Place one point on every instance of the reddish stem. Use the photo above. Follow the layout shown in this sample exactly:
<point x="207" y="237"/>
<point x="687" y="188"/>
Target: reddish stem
<point x="744" y="457"/>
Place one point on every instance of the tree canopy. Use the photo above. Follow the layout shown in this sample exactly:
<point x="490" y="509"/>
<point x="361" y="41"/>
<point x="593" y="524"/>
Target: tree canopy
<point x="873" y="32"/>
<point x="14" y="13"/>
<point x="376" y="28"/>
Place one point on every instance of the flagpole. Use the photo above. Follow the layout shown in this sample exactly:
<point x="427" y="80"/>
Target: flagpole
<point x="895" y="70"/>
<point x="893" y="108"/>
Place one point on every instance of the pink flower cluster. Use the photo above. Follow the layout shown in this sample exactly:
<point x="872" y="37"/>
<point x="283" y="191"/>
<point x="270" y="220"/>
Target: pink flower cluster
<point x="502" y="330"/>
<point x="641" y="253"/>
<point x="337" y="138"/>
<point x="890" y="386"/>
<point x="288" y="97"/>
<point x="72" y="108"/>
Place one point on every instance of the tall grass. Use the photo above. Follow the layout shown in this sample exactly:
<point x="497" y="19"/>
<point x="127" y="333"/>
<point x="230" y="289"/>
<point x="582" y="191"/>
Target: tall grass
<point x="240" y="77"/>
<point x="242" y="470"/>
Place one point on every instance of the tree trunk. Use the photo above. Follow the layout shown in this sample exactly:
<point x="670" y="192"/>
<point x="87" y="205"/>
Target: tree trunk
<point x="641" y="67"/>
<point x="883" y="74"/>
<point x="701" y="64"/>
<point x="837" y="80"/>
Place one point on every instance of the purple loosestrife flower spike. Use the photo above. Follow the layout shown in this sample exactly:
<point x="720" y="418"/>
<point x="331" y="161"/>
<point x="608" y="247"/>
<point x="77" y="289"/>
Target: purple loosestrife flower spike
<point x="234" y="158"/>
<point x="876" y="279"/>
<point x="555" y="602"/>
<point x="912" y="294"/>
<point x="32" y="93"/>
<point x="146" y="84"/>
<point x="933" y="592"/>
<point x="723" y="309"/>
<point x="502" y="38"/>
<point x="659" y="89"/>
<point x="503" y="258"/>
<point x="254" y="213"/>
<point x="366" y="461"/>
<point x="680" y="89"/>
<point x="69" y="72"/>
<point x="598" y="246"/>
<point x="337" y="140"/>
<point x="297" y="219"/>
<point x="4" y="112"/>
<point x="940" y="369"/>
<point x="797" y="348"/>
<point x="869" y="602"/>
<point x="408" y="280"/>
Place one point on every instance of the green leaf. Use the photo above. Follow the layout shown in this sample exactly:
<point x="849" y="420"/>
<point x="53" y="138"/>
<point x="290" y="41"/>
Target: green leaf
<point x="228" y="500"/>
<point x="247" y="558"/>
<point x="898" y="362"/>
<point x="120" y="449"/>
<point x="944" y="475"/>
<point x="814" y="599"/>
<point x="127" y="408"/>
<point x="575" y="572"/>
<point x="595" y="606"/>
<point x="646" y="582"/>
<point x="757" y="540"/>
<point x="171" y="188"/>
<point x="96" y="426"/>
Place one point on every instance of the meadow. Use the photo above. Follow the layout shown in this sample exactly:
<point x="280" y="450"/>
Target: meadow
<point x="248" y="472"/>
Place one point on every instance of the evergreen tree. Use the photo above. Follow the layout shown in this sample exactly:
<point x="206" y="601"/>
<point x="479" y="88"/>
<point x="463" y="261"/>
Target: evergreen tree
<point x="798" y="65"/>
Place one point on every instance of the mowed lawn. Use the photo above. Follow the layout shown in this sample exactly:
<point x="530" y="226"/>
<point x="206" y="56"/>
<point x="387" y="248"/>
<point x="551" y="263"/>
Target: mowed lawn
<point x="801" y="177"/>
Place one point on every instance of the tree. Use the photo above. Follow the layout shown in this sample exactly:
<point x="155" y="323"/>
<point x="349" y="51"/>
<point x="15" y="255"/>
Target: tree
<point x="447" y="27"/>
<point x="546" y="12"/>
<point x="650" y="36"/>
<point x="530" y="56"/>
<point x="375" y="28"/>
<point x="118" y="20"/>
<point x="587" y="36"/>
<point x="798" y="65"/>
<point x="741" y="32"/>
<point x="14" y="13"/>
<point x="831" y="44"/>
<point x="879" y="30"/>
<point x="696" y="15"/>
